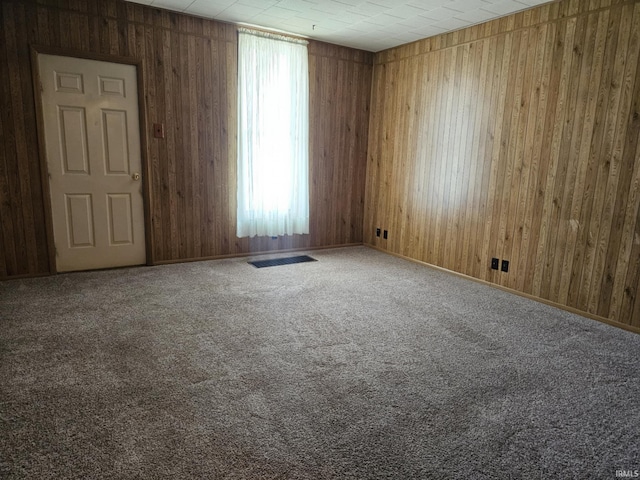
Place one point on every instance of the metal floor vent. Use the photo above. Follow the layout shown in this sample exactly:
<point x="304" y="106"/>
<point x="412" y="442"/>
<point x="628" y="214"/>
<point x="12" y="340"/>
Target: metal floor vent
<point x="282" y="261"/>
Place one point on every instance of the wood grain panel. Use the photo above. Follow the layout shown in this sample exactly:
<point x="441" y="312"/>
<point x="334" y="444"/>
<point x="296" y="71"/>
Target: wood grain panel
<point x="516" y="139"/>
<point x="339" y="104"/>
<point x="22" y="214"/>
<point x="189" y="67"/>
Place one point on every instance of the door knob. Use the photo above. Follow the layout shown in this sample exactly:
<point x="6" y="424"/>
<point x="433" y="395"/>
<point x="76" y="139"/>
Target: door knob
<point x="136" y="176"/>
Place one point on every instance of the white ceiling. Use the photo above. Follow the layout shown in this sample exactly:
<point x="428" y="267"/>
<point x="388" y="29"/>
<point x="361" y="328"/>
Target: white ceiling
<point x="372" y="25"/>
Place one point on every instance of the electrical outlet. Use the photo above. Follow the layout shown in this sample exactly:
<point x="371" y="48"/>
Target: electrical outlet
<point x="495" y="264"/>
<point x="377" y="232"/>
<point x="505" y="265"/>
<point x="158" y="130"/>
<point x="385" y="234"/>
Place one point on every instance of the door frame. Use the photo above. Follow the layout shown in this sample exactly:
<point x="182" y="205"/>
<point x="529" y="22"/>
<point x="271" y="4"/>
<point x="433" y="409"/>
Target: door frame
<point x="44" y="167"/>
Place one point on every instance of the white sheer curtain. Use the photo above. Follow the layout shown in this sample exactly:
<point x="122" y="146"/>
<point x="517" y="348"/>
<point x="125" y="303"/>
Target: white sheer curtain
<point x="273" y="135"/>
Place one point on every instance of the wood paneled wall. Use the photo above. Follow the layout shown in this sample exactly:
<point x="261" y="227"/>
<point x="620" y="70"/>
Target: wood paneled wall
<point x="517" y="139"/>
<point x="189" y="67"/>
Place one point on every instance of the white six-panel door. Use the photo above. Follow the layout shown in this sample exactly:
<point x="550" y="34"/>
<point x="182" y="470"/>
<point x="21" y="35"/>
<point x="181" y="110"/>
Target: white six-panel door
<point x="92" y="138"/>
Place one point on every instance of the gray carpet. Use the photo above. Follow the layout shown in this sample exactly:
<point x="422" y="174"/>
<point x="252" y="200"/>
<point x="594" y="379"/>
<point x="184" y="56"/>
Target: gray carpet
<point x="357" y="366"/>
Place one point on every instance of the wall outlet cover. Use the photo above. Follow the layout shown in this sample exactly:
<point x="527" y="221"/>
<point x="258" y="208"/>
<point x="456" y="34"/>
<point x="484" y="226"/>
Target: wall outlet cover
<point x="158" y="130"/>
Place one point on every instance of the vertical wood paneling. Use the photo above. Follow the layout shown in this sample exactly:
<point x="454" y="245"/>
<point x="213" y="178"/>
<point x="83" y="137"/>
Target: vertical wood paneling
<point x="8" y="258"/>
<point x="608" y="241"/>
<point x="189" y="67"/>
<point x="339" y="89"/>
<point x="528" y="151"/>
<point x="22" y="213"/>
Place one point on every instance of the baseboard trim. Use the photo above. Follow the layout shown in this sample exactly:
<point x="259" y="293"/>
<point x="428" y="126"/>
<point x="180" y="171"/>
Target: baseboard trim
<point x="253" y="254"/>
<point x="24" y="276"/>
<point x="591" y="316"/>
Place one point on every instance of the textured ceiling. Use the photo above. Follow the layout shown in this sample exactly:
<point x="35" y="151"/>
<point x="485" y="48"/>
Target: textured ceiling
<point x="372" y="25"/>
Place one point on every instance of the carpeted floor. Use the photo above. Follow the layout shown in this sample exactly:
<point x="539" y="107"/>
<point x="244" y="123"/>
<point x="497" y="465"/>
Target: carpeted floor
<point x="357" y="366"/>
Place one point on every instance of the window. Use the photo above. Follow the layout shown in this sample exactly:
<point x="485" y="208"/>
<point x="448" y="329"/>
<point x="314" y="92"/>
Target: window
<point x="273" y="135"/>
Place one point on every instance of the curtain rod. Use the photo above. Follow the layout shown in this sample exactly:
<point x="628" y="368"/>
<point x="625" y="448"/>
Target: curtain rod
<point x="272" y="36"/>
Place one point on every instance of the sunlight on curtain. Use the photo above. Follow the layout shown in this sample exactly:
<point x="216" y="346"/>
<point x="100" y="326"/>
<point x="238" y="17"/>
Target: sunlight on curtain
<point x="273" y="135"/>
